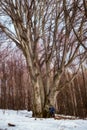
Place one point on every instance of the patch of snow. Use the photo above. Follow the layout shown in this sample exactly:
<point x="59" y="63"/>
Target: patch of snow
<point x="23" y="121"/>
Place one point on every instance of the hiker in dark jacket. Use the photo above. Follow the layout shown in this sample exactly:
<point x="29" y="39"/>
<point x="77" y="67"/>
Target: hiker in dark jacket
<point x="52" y="111"/>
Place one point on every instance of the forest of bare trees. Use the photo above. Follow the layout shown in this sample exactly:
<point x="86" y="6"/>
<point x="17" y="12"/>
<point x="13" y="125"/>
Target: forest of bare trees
<point x="16" y="91"/>
<point x="72" y="100"/>
<point x="52" y="36"/>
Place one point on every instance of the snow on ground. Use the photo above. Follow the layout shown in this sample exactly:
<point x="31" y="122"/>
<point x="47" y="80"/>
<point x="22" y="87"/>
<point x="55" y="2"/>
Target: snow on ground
<point x="23" y="121"/>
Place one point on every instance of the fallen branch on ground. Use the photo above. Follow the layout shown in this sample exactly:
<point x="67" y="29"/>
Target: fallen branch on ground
<point x="10" y="124"/>
<point x="59" y="117"/>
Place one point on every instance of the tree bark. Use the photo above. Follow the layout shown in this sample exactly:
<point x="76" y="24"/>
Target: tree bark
<point x="38" y="87"/>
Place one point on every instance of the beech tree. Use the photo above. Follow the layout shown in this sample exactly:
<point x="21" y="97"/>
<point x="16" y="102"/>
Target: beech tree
<point x="47" y="34"/>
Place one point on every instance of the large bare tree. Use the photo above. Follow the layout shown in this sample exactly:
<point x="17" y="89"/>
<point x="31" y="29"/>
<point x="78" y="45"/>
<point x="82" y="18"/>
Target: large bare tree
<point x="47" y="33"/>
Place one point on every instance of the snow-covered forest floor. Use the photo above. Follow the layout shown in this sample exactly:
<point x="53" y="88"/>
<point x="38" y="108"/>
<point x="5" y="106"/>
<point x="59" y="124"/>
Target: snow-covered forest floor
<point x="23" y="121"/>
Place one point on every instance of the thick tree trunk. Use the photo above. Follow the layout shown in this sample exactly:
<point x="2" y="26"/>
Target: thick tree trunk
<point x="37" y="102"/>
<point x="51" y="99"/>
<point x="41" y="99"/>
<point x="38" y="88"/>
<point x="50" y="102"/>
